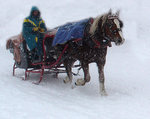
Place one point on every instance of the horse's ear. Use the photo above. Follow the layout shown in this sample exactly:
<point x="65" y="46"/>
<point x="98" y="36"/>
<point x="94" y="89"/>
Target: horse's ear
<point x="109" y="12"/>
<point x="118" y="13"/>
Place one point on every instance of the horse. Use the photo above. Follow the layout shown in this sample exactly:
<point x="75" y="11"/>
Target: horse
<point x="100" y="32"/>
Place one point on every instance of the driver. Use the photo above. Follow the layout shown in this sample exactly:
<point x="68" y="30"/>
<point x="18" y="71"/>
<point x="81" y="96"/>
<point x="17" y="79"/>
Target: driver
<point x="33" y="33"/>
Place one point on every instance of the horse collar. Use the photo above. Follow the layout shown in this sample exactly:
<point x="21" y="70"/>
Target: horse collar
<point x="106" y="40"/>
<point x="104" y="43"/>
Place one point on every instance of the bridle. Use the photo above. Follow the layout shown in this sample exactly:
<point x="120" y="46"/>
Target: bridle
<point x="106" y="38"/>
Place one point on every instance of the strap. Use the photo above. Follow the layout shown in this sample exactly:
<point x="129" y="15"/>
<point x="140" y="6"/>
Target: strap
<point x="92" y="20"/>
<point x="36" y="39"/>
<point x="42" y="21"/>
<point x="28" y="20"/>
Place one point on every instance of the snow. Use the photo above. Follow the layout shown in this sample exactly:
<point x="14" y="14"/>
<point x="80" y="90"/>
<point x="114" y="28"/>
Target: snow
<point x="127" y="70"/>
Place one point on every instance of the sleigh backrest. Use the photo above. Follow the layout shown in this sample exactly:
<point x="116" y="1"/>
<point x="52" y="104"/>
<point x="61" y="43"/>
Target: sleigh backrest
<point x="13" y="43"/>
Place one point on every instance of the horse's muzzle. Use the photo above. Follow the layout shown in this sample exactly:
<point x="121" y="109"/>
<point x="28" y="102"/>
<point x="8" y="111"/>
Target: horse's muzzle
<point x="119" y="41"/>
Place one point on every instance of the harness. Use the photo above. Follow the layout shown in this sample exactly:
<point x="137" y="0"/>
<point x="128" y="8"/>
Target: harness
<point x="97" y="44"/>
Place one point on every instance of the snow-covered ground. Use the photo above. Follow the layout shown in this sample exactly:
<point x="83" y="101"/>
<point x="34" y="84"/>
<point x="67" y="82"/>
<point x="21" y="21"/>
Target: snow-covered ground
<point x="127" y="70"/>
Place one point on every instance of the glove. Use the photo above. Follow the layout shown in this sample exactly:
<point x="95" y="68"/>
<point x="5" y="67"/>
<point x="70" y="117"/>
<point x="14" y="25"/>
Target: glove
<point x="35" y="29"/>
<point x="42" y="30"/>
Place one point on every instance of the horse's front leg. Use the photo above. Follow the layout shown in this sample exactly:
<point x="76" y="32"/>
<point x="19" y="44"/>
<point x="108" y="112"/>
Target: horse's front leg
<point x="81" y="82"/>
<point x="101" y="79"/>
<point x="68" y="65"/>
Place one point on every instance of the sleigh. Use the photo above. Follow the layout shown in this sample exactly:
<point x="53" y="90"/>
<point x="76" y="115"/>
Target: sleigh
<point x="51" y="61"/>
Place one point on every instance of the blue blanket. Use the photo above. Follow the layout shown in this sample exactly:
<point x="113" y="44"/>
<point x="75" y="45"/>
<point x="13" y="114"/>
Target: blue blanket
<point x="70" y="31"/>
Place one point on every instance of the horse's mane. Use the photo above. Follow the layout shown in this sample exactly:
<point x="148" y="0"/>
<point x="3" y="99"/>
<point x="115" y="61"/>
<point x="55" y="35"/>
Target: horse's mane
<point x="96" y="22"/>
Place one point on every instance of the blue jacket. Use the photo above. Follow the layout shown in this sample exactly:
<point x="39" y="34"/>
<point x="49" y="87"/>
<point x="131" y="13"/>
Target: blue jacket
<point x="32" y="38"/>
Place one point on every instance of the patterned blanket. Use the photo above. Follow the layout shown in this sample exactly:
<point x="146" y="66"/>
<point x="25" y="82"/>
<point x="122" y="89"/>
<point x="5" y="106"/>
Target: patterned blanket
<point x="69" y="31"/>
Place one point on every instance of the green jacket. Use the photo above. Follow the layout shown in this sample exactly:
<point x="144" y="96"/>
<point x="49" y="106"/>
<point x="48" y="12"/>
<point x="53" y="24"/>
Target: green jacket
<point x="32" y="38"/>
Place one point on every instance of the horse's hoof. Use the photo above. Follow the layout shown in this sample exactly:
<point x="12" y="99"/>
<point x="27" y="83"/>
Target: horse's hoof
<point x="66" y="80"/>
<point x="88" y="79"/>
<point x="103" y="93"/>
<point x="80" y="82"/>
<point x="73" y="86"/>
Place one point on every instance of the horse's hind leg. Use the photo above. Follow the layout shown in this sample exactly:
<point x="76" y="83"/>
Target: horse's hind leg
<point x="68" y="66"/>
<point x="81" y="82"/>
<point x="101" y="79"/>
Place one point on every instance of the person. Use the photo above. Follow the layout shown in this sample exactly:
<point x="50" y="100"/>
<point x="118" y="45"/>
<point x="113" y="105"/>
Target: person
<point x="33" y="33"/>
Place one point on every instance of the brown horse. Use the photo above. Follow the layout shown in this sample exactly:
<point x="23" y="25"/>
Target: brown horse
<point x="99" y="33"/>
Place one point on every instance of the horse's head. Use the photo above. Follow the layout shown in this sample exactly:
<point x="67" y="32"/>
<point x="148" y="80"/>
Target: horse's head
<point x="109" y="26"/>
<point x="113" y="28"/>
